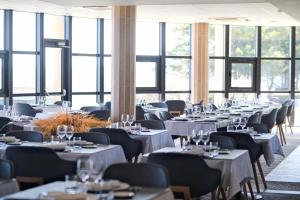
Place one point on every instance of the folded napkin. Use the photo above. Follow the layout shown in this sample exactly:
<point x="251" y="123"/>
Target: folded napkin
<point x="107" y="185"/>
<point x="8" y="139"/>
<point x="64" y="196"/>
<point x="56" y="146"/>
<point x="180" y="119"/>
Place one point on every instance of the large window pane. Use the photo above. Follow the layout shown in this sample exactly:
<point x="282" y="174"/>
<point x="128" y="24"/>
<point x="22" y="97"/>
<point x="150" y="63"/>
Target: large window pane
<point x="248" y="97"/>
<point x="27" y="99"/>
<point x="275" y="75"/>
<point x="79" y="101"/>
<point x="298" y="42"/>
<point x="84" y="73"/>
<point x="242" y="41"/>
<point x="107" y="74"/>
<point x="177" y="74"/>
<point x="178" y="39"/>
<point x="24" y="73"/>
<point x="297" y="110"/>
<point x="274" y="97"/>
<point x="151" y="97"/>
<point x="241" y="75"/>
<point x="297" y="76"/>
<point x="216" y="40"/>
<point x="1" y="72"/>
<point x="84" y="38"/>
<point x="53" y="69"/>
<point x="24" y="32"/>
<point x="216" y="73"/>
<point x="178" y="96"/>
<point x="275" y="41"/>
<point x="146" y="74"/>
<point x="147" y="38"/>
<point x="216" y="98"/>
<point x="1" y="29"/>
<point x="107" y="36"/>
<point x="54" y="26"/>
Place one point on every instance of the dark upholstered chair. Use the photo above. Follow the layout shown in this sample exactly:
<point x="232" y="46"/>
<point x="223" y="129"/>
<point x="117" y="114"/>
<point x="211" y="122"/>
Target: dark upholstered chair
<point x="132" y="147"/>
<point x="38" y="165"/>
<point x="254" y="118"/>
<point x="95" y="137"/>
<point x="139" y="174"/>
<point x="176" y="106"/>
<point x="150" y="116"/>
<point x="189" y="174"/>
<point x="259" y="128"/>
<point x="165" y="115"/>
<point x="30" y="136"/>
<point x="280" y="120"/>
<point x="269" y="119"/>
<point x="139" y="113"/>
<point x="100" y="114"/>
<point x="6" y="169"/>
<point x="26" y="109"/>
<point x="11" y="127"/>
<point x="59" y="103"/>
<point x="107" y="105"/>
<point x="152" y="124"/>
<point x="224" y="141"/>
<point x="89" y="108"/>
<point x="159" y="104"/>
<point x="4" y="121"/>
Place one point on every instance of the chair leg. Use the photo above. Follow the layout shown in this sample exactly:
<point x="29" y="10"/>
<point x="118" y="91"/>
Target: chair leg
<point x="255" y="178"/>
<point x="222" y="192"/>
<point x="213" y="195"/>
<point x="251" y="190"/>
<point x="289" y="121"/>
<point x="245" y="192"/>
<point x="282" y="133"/>
<point x="261" y="173"/>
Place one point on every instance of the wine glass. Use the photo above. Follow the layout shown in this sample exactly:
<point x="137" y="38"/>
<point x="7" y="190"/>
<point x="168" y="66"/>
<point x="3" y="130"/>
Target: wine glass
<point x="236" y="123"/>
<point x="205" y="138"/>
<point x="61" y="131"/>
<point x="243" y="123"/>
<point x="196" y="136"/>
<point x="69" y="132"/>
<point x="123" y="119"/>
<point x="130" y="120"/>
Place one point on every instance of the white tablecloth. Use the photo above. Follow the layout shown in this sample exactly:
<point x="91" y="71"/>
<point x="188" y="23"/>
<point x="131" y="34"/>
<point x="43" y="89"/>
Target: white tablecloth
<point x="235" y="167"/>
<point x="143" y="194"/>
<point x="8" y="187"/>
<point x="185" y="128"/>
<point x="154" y="140"/>
<point x="271" y="145"/>
<point x="102" y="156"/>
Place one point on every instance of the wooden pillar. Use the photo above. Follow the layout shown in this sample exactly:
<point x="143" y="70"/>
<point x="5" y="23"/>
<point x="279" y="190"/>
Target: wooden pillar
<point x="123" y="61"/>
<point x="200" y="58"/>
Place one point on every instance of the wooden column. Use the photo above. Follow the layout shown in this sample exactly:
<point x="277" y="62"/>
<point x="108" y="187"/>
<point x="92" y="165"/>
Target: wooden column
<point x="123" y="61"/>
<point x="200" y="58"/>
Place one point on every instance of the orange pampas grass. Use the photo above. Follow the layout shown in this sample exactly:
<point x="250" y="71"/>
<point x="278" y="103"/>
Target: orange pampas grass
<point x="80" y="122"/>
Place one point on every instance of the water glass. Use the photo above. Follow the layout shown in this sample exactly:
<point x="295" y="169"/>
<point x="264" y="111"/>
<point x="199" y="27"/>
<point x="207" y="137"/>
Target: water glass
<point x="77" y="143"/>
<point x="138" y="128"/>
<point x="196" y="136"/>
<point x="69" y="132"/>
<point x="205" y="138"/>
<point x="84" y="169"/>
<point x="61" y="131"/>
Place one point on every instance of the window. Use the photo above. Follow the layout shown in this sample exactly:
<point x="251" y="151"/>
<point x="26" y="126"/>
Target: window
<point x="242" y="41"/>
<point x="54" y="26"/>
<point x="178" y="96"/>
<point x="275" y="75"/>
<point x="216" y="40"/>
<point x="80" y="100"/>
<point x="107" y="74"/>
<point x="297" y="75"/>
<point x="84" y="74"/>
<point x="24" y="31"/>
<point x="178" y="39"/>
<point x="53" y="69"/>
<point x="84" y="35"/>
<point x="242" y="74"/>
<point x="149" y="97"/>
<point x="147" y="38"/>
<point x="24" y="74"/>
<point x="275" y="42"/>
<point x="146" y="74"/>
<point x="1" y="29"/>
<point x="216" y="73"/>
<point x="177" y="74"/>
<point x="107" y="36"/>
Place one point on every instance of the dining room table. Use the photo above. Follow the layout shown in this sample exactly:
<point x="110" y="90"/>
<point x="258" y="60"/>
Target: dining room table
<point x="144" y="193"/>
<point x="235" y="165"/>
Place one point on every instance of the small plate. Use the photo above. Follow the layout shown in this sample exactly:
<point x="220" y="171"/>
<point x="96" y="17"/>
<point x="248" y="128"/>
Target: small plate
<point x="123" y="194"/>
<point x="89" y="146"/>
<point x="224" y="151"/>
<point x="107" y="185"/>
<point x="14" y="143"/>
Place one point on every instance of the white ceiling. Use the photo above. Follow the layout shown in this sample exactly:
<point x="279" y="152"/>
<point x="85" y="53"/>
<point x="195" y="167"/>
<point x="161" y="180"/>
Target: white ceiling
<point x="245" y="12"/>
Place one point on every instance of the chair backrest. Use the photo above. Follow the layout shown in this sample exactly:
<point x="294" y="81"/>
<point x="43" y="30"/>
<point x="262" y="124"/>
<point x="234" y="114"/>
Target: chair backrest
<point x="291" y="107"/>
<point x="59" y="103"/>
<point x="89" y="108"/>
<point x="139" y="174"/>
<point x="159" y="104"/>
<point x="259" y="128"/>
<point x="131" y="147"/>
<point x="95" y="137"/>
<point x="254" y="118"/>
<point x="150" y="116"/>
<point x="139" y="113"/>
<point x="107" y="105"/>
<point x="4" y="121"/>
<point x="224" y="141"/>
<point x="165" y="115"/>
<point x="6" y="169"/>
<point x="11" y="127"/>
<point x="269" y="119"/>
<point x="24" y="109"/>
<point x="31" y="136"/>
<point x="176" y="106"/>
<point x="188" y="170"/>
<point x="281" y="114"/>
<point x="39" y="162"/>
<point x="152" y="124"/>
<point x="100" y="114"/>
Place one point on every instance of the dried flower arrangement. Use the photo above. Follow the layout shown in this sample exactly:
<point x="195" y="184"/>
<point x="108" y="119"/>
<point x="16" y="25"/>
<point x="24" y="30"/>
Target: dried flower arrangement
<point x="80" y="122"/>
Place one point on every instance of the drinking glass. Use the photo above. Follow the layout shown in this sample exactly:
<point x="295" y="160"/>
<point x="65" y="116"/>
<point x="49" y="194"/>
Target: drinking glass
<point x="70" y="132"/>
<point x="196" y="136"/>
<point x="138" y="128"/>
<point x="84" y="169"/>
<point x="123" y="119"/>
<point x="77" y="143"/>
<point x="61" y="131"/>
<point x="236" y="123"/>
<point x="130" y="120"/>
<point x="243" y="123"/>
<point x="205" y="138"/>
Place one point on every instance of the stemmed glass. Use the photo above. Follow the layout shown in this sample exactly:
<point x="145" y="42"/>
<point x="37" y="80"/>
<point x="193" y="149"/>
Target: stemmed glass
<point x="61" y="131"/>
<point x="69" y="132"/>
<point x="243" y="123"/>
<point x="124" y="120"/>
<point x="205" y="138"/>
<point x="197" y="136"/>
<point x="236" y="123"/>
<point x="130" y="120"/>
